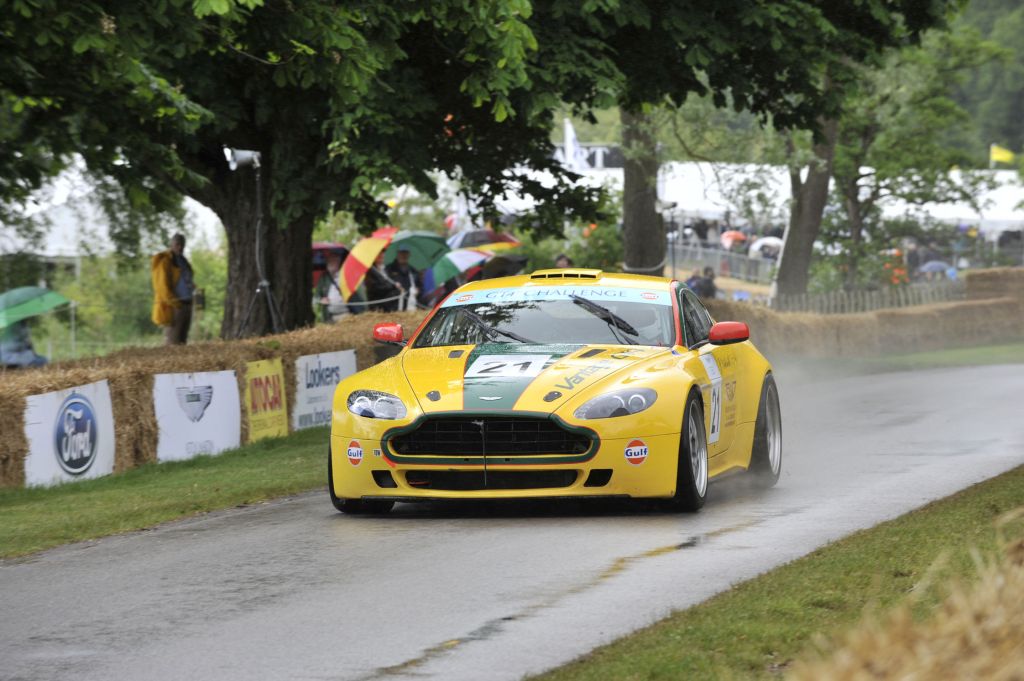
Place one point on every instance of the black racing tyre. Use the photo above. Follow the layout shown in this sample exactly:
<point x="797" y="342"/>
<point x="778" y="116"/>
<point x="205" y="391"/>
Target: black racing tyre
<point x="766" y="454"/>
<point x="692" y="471"/>
<point x="353" y="506"/>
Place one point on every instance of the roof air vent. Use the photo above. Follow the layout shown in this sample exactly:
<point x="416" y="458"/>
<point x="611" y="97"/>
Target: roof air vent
<point x="567" y="273"/>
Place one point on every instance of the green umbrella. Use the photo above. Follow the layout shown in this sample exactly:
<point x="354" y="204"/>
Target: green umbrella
<point x="425" y="248"/>
<point x="27" y="301"/>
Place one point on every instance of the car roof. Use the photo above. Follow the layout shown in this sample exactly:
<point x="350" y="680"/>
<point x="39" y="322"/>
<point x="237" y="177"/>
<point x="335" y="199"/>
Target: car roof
<point x="571" y="277"/>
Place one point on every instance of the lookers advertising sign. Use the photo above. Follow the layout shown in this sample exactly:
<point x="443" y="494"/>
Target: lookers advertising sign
<point x="70" y="435"/>
<point x="316" y="377"/>
<point x="197" y="413"/>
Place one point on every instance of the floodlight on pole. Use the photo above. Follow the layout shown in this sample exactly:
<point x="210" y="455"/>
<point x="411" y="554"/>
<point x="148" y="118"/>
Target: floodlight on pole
<point x="241" y="158"/>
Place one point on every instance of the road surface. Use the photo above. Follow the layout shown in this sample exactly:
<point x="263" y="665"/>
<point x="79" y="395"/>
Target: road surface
<point x="293" y="590"/>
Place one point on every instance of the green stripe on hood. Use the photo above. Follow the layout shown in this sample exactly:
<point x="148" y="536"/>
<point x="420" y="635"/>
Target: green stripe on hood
<point x="504" y="387"/>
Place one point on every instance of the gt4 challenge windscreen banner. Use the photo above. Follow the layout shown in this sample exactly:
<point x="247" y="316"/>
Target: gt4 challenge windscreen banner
<point x="70" y="435"/>
<point x="316" y="377"/>
<point x="264" y="399"/>
<point x="598" y="294"/>
<point x="196" y="414"/>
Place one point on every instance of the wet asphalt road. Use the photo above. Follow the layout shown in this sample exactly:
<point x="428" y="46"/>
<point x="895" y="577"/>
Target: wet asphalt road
<point x="294" y="590"/>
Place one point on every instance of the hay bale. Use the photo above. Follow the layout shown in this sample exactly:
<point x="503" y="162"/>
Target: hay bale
<point x="975" y="634"/>
<point x="923" y="327"/>
<point x="130" y="372"/>
<point x="15" y="386"/>
<point x="998" y="282"/>
<point x="13" y="443"/>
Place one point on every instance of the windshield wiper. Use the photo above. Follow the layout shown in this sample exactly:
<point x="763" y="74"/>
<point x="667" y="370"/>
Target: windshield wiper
<point x="615" y="322"/>
<point x="491" y="331"/>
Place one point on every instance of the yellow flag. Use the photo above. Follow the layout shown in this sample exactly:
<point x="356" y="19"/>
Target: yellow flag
<point x="998" y="154"/>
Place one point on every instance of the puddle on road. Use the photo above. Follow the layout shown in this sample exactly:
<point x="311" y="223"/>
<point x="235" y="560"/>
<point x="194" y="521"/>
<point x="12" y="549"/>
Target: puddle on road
<point x="493" y="627"/>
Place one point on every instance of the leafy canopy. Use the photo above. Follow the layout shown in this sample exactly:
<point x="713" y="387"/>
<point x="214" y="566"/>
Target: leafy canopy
<point x="345" y="97"/>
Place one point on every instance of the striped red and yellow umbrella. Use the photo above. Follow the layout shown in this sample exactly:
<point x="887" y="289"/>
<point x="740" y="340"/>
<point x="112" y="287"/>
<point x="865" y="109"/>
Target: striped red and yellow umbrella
<point x="360" y="259"/>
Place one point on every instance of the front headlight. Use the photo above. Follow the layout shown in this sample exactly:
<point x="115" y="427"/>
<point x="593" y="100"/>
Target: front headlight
<point x="618" y="403"/>
<point x="376" y="405"/>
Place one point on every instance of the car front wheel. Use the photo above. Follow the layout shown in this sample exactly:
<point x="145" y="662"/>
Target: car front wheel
<point x="692" y="471"/>
<point x="766" y="456"/>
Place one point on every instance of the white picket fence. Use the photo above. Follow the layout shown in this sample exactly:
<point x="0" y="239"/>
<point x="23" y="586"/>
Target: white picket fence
<point x="840" y="302"/>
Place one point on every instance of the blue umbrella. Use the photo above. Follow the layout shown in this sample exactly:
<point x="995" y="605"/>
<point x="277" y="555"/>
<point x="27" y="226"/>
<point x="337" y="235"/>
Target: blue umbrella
<point x="934" y="266"/>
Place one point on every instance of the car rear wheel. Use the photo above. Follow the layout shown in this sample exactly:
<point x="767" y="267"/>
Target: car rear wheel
<point x="766" y="456"/>
<point x="692" y="471"/>
<point x="353" y="506"/>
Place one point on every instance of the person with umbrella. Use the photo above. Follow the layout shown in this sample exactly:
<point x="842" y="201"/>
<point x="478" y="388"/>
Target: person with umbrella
<point x="17" y="306"/>
<point x="383" y="293"/>
<point x="16" y="347"/>
<point x="406" y="276"/>
<point x="328" y="292"/>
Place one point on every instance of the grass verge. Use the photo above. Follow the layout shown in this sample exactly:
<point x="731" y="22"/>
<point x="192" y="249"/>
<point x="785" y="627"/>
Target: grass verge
<point x="39" y="518"/>
<point x="985" y="355"/>
<point x="758" y="628"/>
<point x="970" y="356"/>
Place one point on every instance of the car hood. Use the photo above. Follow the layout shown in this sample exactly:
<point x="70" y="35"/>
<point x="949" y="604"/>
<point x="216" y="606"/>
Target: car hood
<point x="503" y="377"/>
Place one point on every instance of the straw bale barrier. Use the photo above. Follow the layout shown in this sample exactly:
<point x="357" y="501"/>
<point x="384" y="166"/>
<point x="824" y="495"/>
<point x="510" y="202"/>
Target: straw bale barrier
<point x="130" y="374"/>
<point x="976" y="634"/>
<point x="907" y="329"/>
<point x="998" y="282"/>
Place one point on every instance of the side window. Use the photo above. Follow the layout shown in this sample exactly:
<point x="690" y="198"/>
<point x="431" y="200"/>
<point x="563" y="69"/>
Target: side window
<point x="696" y="318"/>
<point x="689" y="334"/>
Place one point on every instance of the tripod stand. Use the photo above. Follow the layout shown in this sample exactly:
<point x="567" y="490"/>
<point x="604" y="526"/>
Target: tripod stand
<point x="263" y="287"/>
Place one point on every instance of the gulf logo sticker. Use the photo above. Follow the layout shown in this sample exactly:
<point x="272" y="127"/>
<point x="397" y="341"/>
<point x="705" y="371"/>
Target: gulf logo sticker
<point x="355" y="453"/>
<point x="636" y="452"/>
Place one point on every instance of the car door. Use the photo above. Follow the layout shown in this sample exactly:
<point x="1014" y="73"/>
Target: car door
<point x="719" y="364"/>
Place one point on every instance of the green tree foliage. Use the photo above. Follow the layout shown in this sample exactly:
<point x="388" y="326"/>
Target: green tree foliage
<point x="892" y="142"/>
<point x="994" y="92"/>
<point x="343" y="98"/>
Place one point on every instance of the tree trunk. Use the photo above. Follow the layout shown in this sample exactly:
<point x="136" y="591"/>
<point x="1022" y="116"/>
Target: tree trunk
<point x="286" y="254"/>
<point x="855" y="215"/>
<point x="643" y="232"/>
<point x="809" y="199"/>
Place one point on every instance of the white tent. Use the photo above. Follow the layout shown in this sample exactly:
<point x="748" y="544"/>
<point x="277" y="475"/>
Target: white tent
<point x="999" y="210"/>
<point x="77" y="227"/>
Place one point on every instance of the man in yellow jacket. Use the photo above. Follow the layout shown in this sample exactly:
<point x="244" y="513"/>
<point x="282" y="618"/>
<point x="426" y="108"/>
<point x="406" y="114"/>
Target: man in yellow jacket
<point x="172" y="291"/>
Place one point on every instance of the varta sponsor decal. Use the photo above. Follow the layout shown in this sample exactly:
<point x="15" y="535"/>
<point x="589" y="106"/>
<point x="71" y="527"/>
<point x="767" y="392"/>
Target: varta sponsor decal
<point x="570" y="381"/>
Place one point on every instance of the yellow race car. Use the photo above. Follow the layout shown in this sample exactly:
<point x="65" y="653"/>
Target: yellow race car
<point x="560" y="383"/>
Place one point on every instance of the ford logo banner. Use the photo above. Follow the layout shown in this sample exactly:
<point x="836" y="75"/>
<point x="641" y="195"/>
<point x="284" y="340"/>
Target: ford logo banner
<point x="75" y="435"/>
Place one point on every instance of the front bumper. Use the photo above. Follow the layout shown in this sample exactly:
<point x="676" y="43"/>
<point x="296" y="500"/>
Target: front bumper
<point x="640" y="467"/>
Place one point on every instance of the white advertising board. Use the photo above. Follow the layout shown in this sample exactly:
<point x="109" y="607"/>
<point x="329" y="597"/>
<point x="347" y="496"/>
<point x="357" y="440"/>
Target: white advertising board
<point x="316" y="376"/>
<point x="196" y="414"/>
<point x="70" y="435"/>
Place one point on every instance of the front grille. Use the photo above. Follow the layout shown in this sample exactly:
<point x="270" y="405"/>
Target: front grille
<point x="465" y="481"/>
<point x="502" y="436"/>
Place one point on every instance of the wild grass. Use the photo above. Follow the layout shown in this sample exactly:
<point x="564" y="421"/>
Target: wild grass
<point x="760" y="628"/>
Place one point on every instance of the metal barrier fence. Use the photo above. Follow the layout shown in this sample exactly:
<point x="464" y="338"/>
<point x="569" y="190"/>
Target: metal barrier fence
<point x="684" y="258"/>
<point x="839" y="302"/>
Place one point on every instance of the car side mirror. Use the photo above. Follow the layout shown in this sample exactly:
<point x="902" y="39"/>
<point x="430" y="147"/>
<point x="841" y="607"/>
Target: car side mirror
<point x="725" y="333"/>
<point x="389" y="332"/>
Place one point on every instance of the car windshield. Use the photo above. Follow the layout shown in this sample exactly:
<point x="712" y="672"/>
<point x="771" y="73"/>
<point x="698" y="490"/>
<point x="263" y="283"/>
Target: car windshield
<point x="577" y="315"/>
